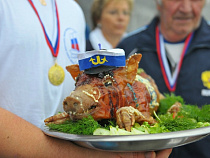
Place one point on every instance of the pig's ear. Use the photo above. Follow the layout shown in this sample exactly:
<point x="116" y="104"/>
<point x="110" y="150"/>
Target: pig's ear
<point x="73" y="70"/>
<point x="132" y="64"/>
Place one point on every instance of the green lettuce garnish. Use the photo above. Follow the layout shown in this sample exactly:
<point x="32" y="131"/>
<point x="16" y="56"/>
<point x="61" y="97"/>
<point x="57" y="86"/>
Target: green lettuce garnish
<point x="86" y="126"/>
<point x="189" y="117"/>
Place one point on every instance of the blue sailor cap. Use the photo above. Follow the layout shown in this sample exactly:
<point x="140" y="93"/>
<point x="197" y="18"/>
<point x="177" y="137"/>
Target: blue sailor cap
<point x="96" y="61"/>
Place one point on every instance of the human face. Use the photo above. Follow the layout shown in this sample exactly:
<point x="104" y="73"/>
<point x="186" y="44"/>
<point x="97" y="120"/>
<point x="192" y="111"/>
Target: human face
<point x="179" y="17"/>
<point x="115" y="18"/>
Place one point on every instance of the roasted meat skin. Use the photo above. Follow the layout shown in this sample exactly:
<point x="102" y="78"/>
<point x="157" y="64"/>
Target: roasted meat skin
<point x="105" y="95"/>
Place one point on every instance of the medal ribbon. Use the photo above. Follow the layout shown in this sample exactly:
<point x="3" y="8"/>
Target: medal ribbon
<point x="170" y="80"/>
<point x="54" y="50"/>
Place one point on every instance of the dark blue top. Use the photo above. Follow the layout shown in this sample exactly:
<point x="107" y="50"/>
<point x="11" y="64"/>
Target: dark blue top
<point x="189" y="83"/>
<point x="89" y="46"/>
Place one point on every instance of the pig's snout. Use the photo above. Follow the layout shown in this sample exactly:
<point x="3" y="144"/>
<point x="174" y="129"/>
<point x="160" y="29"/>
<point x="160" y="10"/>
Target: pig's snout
<point x="71" y="104"/>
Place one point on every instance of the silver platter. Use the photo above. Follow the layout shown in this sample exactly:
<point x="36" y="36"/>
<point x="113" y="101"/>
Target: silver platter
<point x="128" y="143"/>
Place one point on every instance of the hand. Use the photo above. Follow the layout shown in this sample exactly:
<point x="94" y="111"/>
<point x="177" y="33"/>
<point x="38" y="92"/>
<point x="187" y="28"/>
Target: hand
<point x="158" y="154"/>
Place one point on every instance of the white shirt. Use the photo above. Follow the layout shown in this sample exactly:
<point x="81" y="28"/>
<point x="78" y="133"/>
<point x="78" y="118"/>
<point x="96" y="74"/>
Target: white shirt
<point x="96" y="37"/>
<point x="173" y="52"/>
<point x="25" y="57"/>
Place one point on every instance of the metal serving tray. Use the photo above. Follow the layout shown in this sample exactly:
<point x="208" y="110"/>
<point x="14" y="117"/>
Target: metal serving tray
<point x="128" y="143"/>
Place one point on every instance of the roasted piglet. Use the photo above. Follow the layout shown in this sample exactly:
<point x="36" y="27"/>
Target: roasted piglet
<point x="119" y="94"/>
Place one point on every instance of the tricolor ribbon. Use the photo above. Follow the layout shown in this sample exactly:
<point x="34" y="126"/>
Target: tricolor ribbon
<point x="170" y="80"/>
<point x="54" y="50"/>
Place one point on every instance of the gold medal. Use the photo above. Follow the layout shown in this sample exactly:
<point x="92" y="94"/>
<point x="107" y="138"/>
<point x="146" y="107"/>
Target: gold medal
<point x="56" y="74"/>
<point x="43" y="2"/>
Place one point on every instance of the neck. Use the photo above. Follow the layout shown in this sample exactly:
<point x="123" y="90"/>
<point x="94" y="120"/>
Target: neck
<point x="172" y="36"/>
<point x="112" y="39"/>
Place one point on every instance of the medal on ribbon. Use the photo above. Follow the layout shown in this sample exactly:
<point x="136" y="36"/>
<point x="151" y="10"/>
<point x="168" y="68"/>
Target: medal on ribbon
<point x="170" y="80"/>
<point x="56" y="73"/>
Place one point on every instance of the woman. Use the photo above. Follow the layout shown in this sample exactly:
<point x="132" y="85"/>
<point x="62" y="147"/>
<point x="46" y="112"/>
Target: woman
<point x="110" y="20"/>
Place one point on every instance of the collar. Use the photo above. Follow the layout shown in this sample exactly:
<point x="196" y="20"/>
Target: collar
<point x="96" y="37"/>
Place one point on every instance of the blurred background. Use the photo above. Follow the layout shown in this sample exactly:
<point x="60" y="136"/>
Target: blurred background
<point x="143" y="12"/>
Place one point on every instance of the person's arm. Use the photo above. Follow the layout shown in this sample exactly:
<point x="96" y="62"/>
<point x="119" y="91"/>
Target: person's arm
<point x="19" y="138"/>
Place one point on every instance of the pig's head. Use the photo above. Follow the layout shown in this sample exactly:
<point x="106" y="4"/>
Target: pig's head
<point x="99" y="95"/>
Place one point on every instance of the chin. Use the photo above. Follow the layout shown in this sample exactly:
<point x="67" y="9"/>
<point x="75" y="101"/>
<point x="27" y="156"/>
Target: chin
<point x="184" y="30"/>
<point x="120" y="34"/>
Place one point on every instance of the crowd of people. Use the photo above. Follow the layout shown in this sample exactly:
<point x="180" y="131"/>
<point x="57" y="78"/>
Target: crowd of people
<point x="37" y="42"/>
<point x="39" y="38"/>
